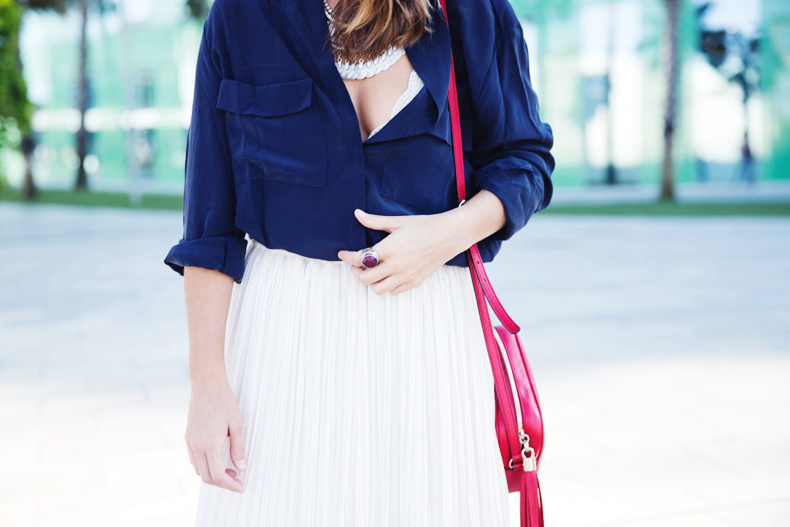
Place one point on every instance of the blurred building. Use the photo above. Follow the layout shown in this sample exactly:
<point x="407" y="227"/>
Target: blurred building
<point x="141" y="74"/>
<point x="598" y="67"/>
<point x="776" y="86"/>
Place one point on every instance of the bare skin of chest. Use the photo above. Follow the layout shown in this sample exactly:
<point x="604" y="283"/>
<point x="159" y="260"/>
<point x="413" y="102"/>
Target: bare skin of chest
<point x="375" y="96"/>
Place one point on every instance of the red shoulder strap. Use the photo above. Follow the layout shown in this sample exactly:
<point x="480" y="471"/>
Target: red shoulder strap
<point x="475" y="259"/>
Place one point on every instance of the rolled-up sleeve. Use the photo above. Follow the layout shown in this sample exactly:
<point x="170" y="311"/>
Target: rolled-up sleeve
<point x="511" y="145"/>
<point x="210" y="237"/>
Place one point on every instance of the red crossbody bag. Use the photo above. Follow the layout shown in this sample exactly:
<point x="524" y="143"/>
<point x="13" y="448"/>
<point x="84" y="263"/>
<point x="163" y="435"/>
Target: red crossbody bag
<point x="519" y="422"/>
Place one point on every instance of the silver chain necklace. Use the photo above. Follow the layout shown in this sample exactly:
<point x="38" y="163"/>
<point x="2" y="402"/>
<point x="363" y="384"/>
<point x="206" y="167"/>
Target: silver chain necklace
<point x="363" y="68"/>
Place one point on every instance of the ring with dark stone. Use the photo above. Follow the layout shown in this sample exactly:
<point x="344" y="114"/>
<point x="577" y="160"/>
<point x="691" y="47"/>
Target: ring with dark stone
<point x="370" y="258"/>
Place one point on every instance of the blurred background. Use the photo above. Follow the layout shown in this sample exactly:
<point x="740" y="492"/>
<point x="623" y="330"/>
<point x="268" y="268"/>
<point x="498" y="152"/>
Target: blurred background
<point x="654" y="292"/>
<point x="110" y="84"/>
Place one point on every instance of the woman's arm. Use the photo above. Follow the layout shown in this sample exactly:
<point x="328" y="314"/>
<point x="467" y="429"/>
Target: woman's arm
<point x="510" y="145"/>
<point x="420" y="244"/>
<point x="211" y="239"/>
<point x="210" y="255"/>
<point x="213" y="408"/>
<point x="479" y="217"/>
<point x="207" y="294"/>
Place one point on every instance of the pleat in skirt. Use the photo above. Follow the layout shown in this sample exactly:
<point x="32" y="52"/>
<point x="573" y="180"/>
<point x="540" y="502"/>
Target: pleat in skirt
<point x="359" y="409"/>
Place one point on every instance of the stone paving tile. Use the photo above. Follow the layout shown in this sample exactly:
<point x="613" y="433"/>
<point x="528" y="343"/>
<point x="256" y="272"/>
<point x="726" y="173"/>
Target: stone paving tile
<point x="661" y="348"/>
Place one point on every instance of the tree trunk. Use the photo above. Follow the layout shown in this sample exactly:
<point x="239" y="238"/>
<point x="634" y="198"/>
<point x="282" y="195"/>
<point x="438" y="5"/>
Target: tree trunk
<point x="82" y="102"/>
<point x="29" y="189"/>
<point x="611" y="171"/>
<point x="667" y="175"/>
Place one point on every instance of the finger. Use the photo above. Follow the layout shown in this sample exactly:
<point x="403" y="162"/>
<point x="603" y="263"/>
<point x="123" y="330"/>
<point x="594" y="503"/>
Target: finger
<point x="377" y="222"/>
<point x="372" y="275"/>
<point x="355" y="257"/>
<point x="192" y="458"/>
<point x="202" y="466"/>
<point x="217" y="475"/>
<point x="402" y="288"/>
<point x="237" y="446"/>
<point x="386" y="285"/>
<point x="351" y="257"/>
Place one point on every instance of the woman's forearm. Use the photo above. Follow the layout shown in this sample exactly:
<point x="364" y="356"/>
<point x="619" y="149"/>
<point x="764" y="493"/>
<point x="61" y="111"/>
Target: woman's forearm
<point x="207" y="293"/>
<point x="480" y="216"/>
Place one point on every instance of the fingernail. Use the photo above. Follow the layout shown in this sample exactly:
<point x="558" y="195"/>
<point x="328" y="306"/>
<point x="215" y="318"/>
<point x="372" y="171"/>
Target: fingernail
<point x="242" y="464"/>
<point x="361" y="212"/>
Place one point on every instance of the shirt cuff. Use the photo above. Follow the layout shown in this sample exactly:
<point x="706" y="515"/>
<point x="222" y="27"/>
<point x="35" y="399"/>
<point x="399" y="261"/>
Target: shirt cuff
<point x="521" y="192"/>
<point x="224" y="253"/>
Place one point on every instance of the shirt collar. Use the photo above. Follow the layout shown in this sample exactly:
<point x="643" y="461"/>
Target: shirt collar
<point x="430" y="57"/>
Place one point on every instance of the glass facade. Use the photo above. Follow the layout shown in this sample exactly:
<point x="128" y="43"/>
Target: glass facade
<point x="140" y="93"/>
<point x="598" y="66"/>
<point x="776" y="86"/>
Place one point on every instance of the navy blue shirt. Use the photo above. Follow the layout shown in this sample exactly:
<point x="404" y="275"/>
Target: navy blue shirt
<point x="274" y="148"/>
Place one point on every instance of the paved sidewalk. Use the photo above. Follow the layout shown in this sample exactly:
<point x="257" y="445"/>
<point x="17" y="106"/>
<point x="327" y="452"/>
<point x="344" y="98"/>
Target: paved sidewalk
<point x="661" y="348"/>
<point x="777" y="190"/>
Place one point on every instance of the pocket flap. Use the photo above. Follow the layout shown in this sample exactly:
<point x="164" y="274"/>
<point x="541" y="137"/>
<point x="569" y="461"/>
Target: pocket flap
<point x="266" y="100"/>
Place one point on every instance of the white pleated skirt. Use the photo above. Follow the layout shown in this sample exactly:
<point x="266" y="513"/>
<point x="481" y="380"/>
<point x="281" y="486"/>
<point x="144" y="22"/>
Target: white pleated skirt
<point x="359" y="409"/>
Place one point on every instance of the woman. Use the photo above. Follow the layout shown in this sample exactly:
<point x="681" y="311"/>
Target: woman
<point x="333" y="386"/>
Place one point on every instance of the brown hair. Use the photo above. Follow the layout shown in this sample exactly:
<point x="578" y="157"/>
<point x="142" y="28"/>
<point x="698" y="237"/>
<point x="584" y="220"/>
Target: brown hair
<point x="363" y="29"/>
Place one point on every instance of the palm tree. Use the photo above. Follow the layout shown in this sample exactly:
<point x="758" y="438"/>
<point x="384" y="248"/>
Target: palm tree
<point x="198" y="9"/>
<point x="27" y="144"/>
<point x="82" y="97"/>
<point x="61" y="6"/>
<point x="718" y="45"/>
<point x="670" y="115"/>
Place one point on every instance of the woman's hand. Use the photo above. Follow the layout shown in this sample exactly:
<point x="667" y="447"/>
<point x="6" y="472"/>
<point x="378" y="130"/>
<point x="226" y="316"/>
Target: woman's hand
<point x="419" y="244"/>
<point x="213" y="418"/>
<point x="416" y="247"/>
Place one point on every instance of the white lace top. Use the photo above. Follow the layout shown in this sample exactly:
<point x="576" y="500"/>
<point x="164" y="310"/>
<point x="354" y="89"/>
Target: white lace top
<point x="414" y="87"/>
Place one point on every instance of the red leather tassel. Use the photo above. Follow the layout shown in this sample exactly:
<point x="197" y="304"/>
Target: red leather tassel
<point x="531" y="502"/>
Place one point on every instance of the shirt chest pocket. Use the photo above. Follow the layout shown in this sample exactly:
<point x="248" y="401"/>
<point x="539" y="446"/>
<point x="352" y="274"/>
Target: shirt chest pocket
<point x="274" y="132"/>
